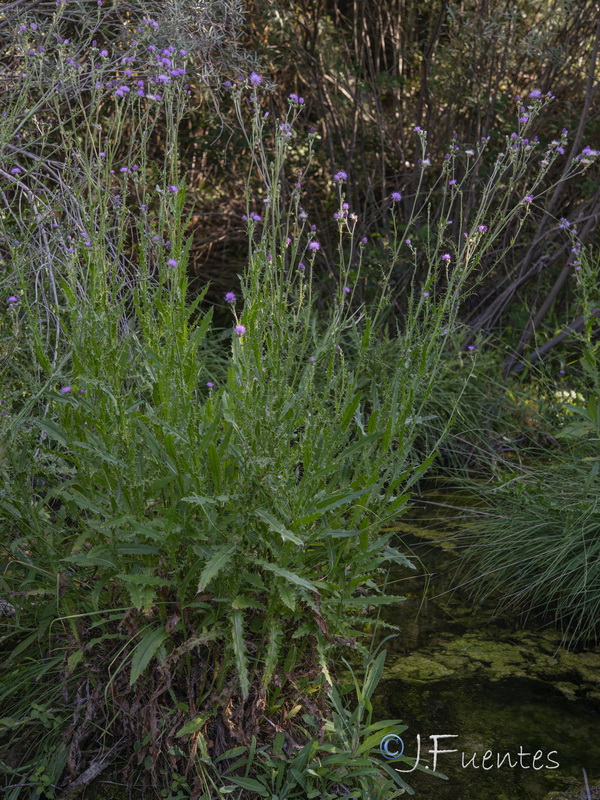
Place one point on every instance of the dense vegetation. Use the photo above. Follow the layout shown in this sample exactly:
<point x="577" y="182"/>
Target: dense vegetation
<point x="263" y="268"/>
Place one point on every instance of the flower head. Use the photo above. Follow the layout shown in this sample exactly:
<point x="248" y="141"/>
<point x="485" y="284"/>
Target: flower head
<point x="482" y="228"/>
<point x="240" y="330"/>
<point x="65" y="390"/>
<point x="173" y="189"/>
<point x="230" y="297"/>
<point x="210" y="384"/>
<point x="535" y="93"/>
<point x="340" y="176"/>
<point x="446" y="257"/>
<point x="12" y="299"/>
<point x="314" y="246"/>
<point x="396" y="197"/>
<point x="171" y="262"/>
<point x="528" y="199"/>
<point x="255" y="79"/>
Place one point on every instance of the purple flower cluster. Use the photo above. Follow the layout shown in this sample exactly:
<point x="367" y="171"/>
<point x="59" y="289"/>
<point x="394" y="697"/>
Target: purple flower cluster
<point x="293" y="98"/>
<point x="340" y="176"/>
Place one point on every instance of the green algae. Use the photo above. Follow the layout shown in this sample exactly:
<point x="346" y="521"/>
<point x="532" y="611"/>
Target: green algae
<point x="516" y="654"/>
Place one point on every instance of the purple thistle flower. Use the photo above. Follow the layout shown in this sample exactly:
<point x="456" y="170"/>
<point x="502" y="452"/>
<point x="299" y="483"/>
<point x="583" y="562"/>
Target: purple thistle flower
<point x="65" y="390"/>
<point x="425" y="294"/>
<point x="15" y="170"/>
<point x="364" y="240"/>
<point x="471" y="347"/>
<point x="446" y="257"/>
<point x="173" y="189"/>
<point x="528" y="199"/>
<point x="314" y="246"/>
<point x="311" y="358"/>
<point x="13" y="299"/>
<point x="535" y="93"/>
<point x="293" y="97"/>
<point x="230" y="297"/>
<point x="340" y="176"/>
<point x="255" y="217"/>
<point x="482" y="228"/>
<point x="171" y="262"/>
<point x="452" y="182"/>
<point x="560" y="150"/>
<point x="255" y="79"/>
<point x="240" y="330"/>
<point x="210" y="384"/>
<point x="104" y="53"/>
<point x="396" y="197"/>
<point x="301" y="266"/>
<point x="408" y="241"/>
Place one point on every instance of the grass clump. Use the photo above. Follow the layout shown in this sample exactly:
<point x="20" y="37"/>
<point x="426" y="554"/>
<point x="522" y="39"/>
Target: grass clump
<point x="539" y="551"/>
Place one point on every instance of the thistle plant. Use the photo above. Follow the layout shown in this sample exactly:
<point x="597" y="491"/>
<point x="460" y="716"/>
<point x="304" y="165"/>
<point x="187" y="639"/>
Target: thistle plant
<point x="192" y="540"/>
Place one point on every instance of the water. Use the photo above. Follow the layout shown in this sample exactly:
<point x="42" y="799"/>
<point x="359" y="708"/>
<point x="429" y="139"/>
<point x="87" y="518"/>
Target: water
<point x="461" y="670"/>
<point x="509" y="716"/>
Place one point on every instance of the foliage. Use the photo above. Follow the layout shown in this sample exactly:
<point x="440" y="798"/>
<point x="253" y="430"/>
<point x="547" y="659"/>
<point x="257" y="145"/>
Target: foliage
<point x="193" y="535"/>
